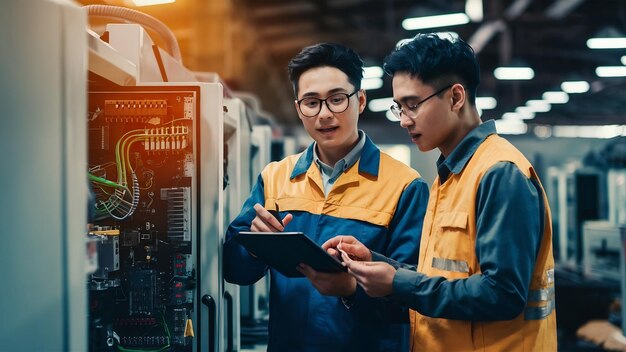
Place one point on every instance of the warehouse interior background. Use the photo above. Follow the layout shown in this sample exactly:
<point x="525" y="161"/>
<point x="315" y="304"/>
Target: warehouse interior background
<point x="249" y="43"/>
<point x="553" y="76"/>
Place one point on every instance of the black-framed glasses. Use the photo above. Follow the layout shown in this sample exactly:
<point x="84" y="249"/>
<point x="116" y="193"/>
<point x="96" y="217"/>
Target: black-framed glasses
<point x="336" y="103"/>
<point x="412" y="109"/>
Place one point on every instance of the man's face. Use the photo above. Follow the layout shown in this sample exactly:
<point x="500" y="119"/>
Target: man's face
<point x="432" y="122"/>
<point x="333" y="132"/>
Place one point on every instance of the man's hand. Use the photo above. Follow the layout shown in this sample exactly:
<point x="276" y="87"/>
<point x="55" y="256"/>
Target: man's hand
<point x="376" y="278"/>
<point x="329" y="284"/>
<point x="266" y="222"/>
<point x="348" y="244"/>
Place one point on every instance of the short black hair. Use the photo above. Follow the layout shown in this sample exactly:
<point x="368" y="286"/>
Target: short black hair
<point x="436" y="61"/>
<point x="326" y="54"/>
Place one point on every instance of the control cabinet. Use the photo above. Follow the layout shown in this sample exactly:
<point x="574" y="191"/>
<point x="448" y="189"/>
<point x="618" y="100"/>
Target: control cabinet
<point x="153" y="169"/>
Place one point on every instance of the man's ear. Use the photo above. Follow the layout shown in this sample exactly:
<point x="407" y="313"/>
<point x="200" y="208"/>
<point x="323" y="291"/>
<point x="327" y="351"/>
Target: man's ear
<point x="362" y="100"/>
<point x="295" y="106"/>
<point x="459" y="96"/>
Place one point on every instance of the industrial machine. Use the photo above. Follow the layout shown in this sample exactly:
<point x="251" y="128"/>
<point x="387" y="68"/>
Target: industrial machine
<point x="576" y="194"/>
<point x="167" y="148"/>
<point x="43" y="208"/>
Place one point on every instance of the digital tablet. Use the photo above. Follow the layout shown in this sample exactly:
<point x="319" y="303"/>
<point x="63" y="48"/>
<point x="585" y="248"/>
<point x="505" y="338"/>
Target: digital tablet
<point x="283" y="251"/>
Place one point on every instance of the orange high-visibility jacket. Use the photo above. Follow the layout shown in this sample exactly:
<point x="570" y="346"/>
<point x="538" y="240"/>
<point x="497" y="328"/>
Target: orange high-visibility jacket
<point x="449" y="238"/>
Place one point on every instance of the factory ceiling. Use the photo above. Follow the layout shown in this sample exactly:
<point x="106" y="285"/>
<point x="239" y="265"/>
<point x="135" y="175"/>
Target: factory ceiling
<point x="550" y="36"/>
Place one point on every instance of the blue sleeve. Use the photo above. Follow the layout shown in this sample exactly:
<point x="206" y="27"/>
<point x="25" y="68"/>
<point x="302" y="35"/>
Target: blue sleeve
<point x="405" y="229"/>
<point x="404" y="234"/>
<point x="239" y="266"/>
<point x="509" y="223"/>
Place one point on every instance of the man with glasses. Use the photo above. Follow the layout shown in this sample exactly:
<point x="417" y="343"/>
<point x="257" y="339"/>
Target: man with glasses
<point x="485" y="274"/>
<point x="341" y="184"/>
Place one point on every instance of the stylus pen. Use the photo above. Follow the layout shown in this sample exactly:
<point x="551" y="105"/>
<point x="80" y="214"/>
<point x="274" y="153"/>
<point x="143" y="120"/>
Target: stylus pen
<point x="276" y="214"/>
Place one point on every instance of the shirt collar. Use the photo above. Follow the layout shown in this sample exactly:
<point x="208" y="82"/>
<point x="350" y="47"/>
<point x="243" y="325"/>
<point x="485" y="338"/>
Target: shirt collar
<point x="345" y="162"/>
<point x="456" y="161"/>
<point x="365" y="150"/>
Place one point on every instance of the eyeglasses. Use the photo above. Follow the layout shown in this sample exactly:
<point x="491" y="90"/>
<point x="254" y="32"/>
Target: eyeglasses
<point x="412" y="110"/>
<point x="337" y="103"/>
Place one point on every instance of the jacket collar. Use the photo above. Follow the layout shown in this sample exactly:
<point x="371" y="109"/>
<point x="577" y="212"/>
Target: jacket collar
<point x="368" y="163"/>
<point x="456" y="161"/>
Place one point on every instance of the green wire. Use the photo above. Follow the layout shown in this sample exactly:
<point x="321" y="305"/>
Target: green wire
<point x="104" y="181"/>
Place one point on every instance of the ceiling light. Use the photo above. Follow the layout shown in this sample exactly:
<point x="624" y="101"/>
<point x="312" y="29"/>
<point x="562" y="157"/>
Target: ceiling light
<point x="371" y="83"/>
<point x="538" y="105"/>
<point x="486" y="103"/>
<point x="575" y="87"/>
<point x="391" y="117"/>
<point x="511" y="116"/>
<point x="555" y="97"/>
<point x="372" y="72"/>
<point x="624" y="60"/>
<point x="607" y="38"/>
<point x="510" y="126"/>
<point x="378" y="105"/>
<point x="606" y="43"/>
<point x="514" y="73"/>
<point x="474" y="10"/>
<point x="605" y="131"/>
<point x="452" y="19"/>
<point x="525" y="112"/>
<point x="151" y="2"/>
<point x="611" y="71"/>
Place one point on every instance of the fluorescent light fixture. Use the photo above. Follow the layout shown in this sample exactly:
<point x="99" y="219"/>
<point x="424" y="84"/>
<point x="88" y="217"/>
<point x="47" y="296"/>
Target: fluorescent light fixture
<point x="555" y="97"/>
<point x="452" y="19"/>
<point x="378" y="105"/>
<point x="486" y="103"/>
<point x="604" y="132"/>
<point x="514" y="73"/>
<point x="611" y="71"/>
<point x="151" y="2"/>
<point x="606" y="43"/>
<point x="525" y="112"/>
<point x="538" y="105"/>
<point x="575" y="87"/>
<point x="474" y="10"/>
<point x="371" y="83"/>
<point x="512" y="116"/>
<point x="391" y="117"/>
<point x="372" y="72"/>
<point x="511" y="126"/>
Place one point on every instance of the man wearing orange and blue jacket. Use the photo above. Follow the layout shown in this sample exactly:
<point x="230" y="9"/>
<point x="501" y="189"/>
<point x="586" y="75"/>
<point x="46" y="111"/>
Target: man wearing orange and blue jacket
<point x="485" y="274"/>
<point x="341" y="184"/>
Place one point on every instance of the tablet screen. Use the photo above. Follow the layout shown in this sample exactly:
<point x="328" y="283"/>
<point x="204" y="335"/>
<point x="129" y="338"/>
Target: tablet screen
<point x="283" y="251"/>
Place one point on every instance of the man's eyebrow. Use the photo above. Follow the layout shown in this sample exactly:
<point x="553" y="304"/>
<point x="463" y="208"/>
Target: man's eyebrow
<point x="404" y="99"/>
<point x="330" y="92"/>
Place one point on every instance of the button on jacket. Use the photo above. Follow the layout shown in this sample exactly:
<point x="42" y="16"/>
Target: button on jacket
<point x="378" y="200"/>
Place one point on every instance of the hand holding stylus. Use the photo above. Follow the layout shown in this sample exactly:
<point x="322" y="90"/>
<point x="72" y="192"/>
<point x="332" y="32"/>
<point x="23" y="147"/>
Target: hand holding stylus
<point x="265" y="221"/>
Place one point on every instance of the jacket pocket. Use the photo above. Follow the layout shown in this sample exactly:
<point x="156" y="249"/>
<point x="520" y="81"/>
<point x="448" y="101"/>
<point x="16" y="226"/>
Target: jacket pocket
<point x="453" y="248"/>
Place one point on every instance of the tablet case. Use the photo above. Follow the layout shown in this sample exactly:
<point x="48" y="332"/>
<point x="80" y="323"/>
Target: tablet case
<point x="283" y="251"/>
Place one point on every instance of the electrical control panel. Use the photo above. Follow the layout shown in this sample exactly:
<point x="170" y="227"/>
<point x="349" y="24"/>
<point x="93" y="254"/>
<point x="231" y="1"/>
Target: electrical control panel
<point x="143" y="176"/>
